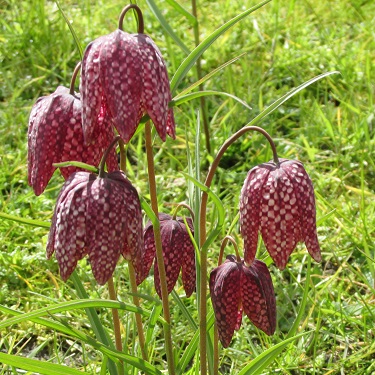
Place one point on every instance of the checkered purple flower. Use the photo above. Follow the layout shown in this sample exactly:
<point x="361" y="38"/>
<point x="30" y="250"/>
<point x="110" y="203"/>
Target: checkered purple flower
<point x="236" y="289"/>
<point x="55" y="135"/>
<point x="277" y="200"/>
<point x="178" y="253"/>
<point x="126" y="74"/>
<point x="98" y="216"/>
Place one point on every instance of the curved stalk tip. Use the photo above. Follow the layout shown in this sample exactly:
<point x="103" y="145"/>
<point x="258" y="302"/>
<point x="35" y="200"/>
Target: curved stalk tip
<point x="74" y="76"/>
<point x="139" y="16"/>
<point x="102" y="172"/>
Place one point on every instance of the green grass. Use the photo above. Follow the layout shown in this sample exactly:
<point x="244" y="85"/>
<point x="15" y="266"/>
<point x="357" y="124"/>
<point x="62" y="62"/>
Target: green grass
<point x="329" y="126"/>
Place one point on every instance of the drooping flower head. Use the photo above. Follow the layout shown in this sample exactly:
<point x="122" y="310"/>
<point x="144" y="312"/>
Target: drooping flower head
<point x="236" y="288"/>
<point x="126" y="74"/>
<point x="55" y="135"/>
<point x="178" y="253"/>
<point x="277" y="200"/>
<point x="98" y="216"/>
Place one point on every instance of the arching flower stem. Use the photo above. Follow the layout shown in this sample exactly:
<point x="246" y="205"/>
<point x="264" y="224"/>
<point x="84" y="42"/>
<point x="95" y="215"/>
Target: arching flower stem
<point x="203" y="235"/>
<point x="139" y="16"/>
<point x="159" y="250"/>
<point x="102" y="171"/>
<point x="222" y="247"/>
<point x="74" y="76"/>
<point x="183" y="205"/>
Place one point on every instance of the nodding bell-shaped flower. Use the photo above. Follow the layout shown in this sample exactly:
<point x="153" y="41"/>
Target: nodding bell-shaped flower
<point x="55" y="135"/>
<point x="178" y="253"/>
<point x="127" y="75"/>
<point x="236" y="288"/>
<point x="277" y="200"/>
<point x="98" y="216"/>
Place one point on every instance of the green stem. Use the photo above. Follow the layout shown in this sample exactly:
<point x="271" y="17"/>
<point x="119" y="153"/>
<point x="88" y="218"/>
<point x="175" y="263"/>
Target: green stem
<point x="199" y="74"/>
<point x="138" y="318"/>
<point x="203" y="235"/>
<point x="159" y="251"/>
<point x="116" y="324"/>
<point x="132" y="275"/>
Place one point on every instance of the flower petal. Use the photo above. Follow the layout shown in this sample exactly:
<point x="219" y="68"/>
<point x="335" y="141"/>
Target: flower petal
<point x="122" y="81"/>
<point x="250" y="201"/>
<point x="156" y="91"/>
<point x="280" y="221"/>
<point x="172" y="241"/>
<point x="306" y="202"/>
<point x="258" y="296"/>
<point x="225" y="296"/>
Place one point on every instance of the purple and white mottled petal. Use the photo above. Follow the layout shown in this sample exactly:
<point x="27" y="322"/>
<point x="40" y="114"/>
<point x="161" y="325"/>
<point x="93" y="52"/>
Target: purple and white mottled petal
<point x="258" y="296"/>
<point x="279" y="223"/>
<point x="75" y="181"/>
<point x="123" y="83"/>
<point x="172" y="241"/>
<point x="91" y="88"/>
<point x="70" y="244"/>
<point x="250" y="201"/>
<point x="105" y="227"/>
<point x="225" y="297"/>
<point x="45" y="138"/>
<point x="156" y="93"/>
<point x="306" y="206"/>
<point x="188" y="263"/>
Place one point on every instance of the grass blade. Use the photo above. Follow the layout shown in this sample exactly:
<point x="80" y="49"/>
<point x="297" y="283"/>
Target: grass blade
<point x="165" y="25"/>
<point x="199" y="50"/>
<point x="37" y="366"/>
<point x="74" y="305"/>
<point x="75" y="37"/>
<point x="22" y="220"/>
<point x="195" y="95"/>
<point x="180" y="9"/>
<point x="208" y="76"/>
<point x="257" y="365"/>
<point x="287" y="96"/>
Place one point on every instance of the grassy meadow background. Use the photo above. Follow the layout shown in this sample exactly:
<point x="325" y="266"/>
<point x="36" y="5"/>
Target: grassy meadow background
<point x="329" y="126"/>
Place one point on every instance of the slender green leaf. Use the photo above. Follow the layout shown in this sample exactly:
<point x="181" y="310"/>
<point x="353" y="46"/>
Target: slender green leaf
<point x="208" y="76"/>
<point x="76" y="40"/>
<point x="184" y="310"/>
<point x="180" y="9"/>
<point x="166" y="26"/>
<point x="73" y="305"/>
<point x="38" y="366"/>
<point x="220" y="209"/>
<point x="287" y="96"/>
<point x="195" y="95"/>
<point x="77" y="164"/>
<point x="260" y="363"/>
<point x="199" y="50"/>
<point x="22" y="220"/>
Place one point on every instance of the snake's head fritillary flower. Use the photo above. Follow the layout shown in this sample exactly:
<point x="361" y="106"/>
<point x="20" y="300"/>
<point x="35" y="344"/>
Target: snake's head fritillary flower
<point x="98" y="216"/>
<point x="236" y="288"/>
<point x="178" y="253"/>
<point x="127" y="74"/>
<point x="55" y="135"/>
<point x="277" y="200"/>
